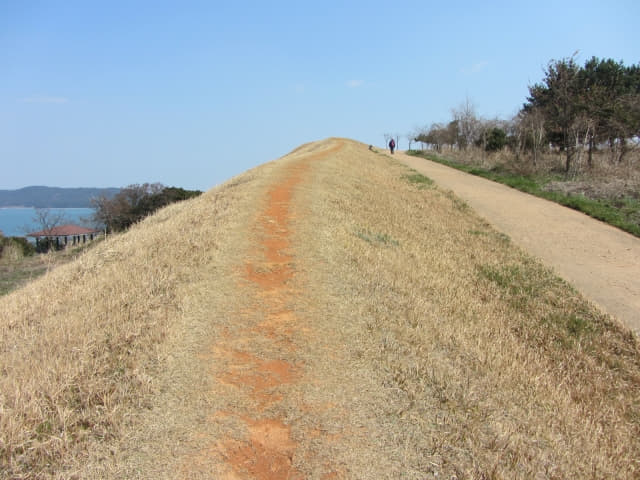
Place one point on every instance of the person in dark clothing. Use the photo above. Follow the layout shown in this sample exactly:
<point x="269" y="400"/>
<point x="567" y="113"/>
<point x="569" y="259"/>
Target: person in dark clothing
<point x="392" y="145"/>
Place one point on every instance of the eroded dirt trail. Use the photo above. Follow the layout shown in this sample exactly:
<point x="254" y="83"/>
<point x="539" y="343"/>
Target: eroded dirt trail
<point x="259" y="358"/>
<point x="268" y="451"/>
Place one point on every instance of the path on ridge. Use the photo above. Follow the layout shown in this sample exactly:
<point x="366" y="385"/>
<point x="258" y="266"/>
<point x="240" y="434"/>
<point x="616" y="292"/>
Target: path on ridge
<point x="601" y="261"/>
<point x="257" y="362"/>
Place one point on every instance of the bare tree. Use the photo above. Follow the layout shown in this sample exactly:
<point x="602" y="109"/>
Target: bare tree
<point x="47" y="220"/>
<point x="582" y="132"/>
<point x="417" y="134"/>
<point x="420" y="134"/>
<point x="411" y="137"/>
<point x="425" y="137"/>
<point x="468" y="123"/>
<point x="437" y="136"/>
<point x="532" y="132"/>
<point x="387" y="138"/>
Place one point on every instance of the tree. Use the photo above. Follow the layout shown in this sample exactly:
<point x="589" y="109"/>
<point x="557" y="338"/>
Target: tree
<point x="127" y="207"/>
<point x="624" y="120"/>
<point x="602" y="83"/>
<point x="46" y="219"/>
<point x="532" y="131"/>
<point x="496" y="139"/>
<point x="468" y="123"/>
<point x="584" y="106"/>
<point x="135" y="202"/>
<point x="433" y="136"/>
<point x="558" y="98"/>
<point x="414" y="135"/>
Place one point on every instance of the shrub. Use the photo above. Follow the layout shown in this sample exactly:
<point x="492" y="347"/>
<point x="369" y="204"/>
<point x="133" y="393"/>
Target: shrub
<point x="15" y="246"/>
<point x="496" y="140"/>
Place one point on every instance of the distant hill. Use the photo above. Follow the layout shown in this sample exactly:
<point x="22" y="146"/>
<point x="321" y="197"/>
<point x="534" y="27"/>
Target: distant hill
<point x="53" y="197"/>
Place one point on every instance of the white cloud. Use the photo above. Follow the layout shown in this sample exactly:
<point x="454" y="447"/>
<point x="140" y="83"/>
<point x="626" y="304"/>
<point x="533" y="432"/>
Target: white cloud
<point x="475" y="68"/>
<point x="479" y="66"/>
<point x="355" y="83"/>
<point x="44" y="99"/>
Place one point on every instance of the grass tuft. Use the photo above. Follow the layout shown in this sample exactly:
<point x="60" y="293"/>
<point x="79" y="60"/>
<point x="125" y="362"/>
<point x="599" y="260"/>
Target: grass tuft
<point x="377" y="238"/>
<point x="421" y="181"/>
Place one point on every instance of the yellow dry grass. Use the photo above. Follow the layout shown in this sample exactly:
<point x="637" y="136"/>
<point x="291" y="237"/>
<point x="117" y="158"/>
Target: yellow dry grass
<point x="433" y="347"/>
<point x="85" y="348"/>
<point x="494" y="367"/>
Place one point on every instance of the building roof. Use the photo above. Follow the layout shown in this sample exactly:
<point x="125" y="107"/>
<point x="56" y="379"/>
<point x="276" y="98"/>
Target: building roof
<point x="64" y="231"/>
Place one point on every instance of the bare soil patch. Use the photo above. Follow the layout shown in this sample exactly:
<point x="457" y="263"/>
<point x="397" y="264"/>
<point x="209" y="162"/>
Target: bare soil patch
<point x="261" y="360"/>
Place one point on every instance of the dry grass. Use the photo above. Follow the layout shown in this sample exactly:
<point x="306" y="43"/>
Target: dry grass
<point x="85" y="349"/>
<point x="605" y="179"/>
<point x="491" y="366"/>
<point x="17" y="270"/>
<point x="431" y="347"/>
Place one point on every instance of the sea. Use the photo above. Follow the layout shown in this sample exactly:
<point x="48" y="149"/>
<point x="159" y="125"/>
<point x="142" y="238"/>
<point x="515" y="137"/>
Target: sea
<point x="18" y="221"/>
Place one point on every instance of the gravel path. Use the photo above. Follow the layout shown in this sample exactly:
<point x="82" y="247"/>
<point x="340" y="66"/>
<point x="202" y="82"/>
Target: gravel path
<point x="602" y="262"/>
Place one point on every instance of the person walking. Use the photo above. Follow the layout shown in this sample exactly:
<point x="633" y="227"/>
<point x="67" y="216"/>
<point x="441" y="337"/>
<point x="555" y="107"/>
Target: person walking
<point x="392" y="145"/>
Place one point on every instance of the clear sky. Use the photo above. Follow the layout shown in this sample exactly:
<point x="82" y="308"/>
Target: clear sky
<point x="187" y="93"/>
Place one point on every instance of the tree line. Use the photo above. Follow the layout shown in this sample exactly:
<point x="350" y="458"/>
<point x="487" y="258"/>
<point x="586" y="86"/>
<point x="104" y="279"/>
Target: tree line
<point x="574" y="109"/>
<point x="135" y="202"/>
<point x="114" y="213"/>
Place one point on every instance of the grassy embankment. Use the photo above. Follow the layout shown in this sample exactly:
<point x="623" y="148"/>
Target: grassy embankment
<point x="84" y="346"/>
<point x="493" y="366"/>
<point x="451" y="351"/>
<point x="623" y="213"/>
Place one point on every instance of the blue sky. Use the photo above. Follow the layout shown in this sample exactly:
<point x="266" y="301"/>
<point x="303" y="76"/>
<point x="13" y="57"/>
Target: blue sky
<point x="98" y="94"/>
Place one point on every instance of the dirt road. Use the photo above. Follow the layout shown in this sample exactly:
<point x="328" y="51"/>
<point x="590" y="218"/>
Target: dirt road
<point x="602" y="262"/>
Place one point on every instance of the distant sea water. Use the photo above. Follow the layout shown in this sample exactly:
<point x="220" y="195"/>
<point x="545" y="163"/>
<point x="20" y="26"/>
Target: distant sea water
<point x="17" y="222"/>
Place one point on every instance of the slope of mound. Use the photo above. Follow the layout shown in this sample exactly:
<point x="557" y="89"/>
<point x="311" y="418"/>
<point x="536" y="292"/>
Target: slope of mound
<point x="83" y="347"/>
<point x="331" y="314"/>
<point x="601" y="261"/>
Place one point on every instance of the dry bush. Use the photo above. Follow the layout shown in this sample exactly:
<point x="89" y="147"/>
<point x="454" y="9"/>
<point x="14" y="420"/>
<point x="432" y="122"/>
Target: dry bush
<point x="604" y="179"/>
<point x="602" y="165"/>
<point x="11" y="252"/>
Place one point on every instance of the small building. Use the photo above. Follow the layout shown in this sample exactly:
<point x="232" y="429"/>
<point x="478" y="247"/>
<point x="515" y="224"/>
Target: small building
<point x="60" y="235"/>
